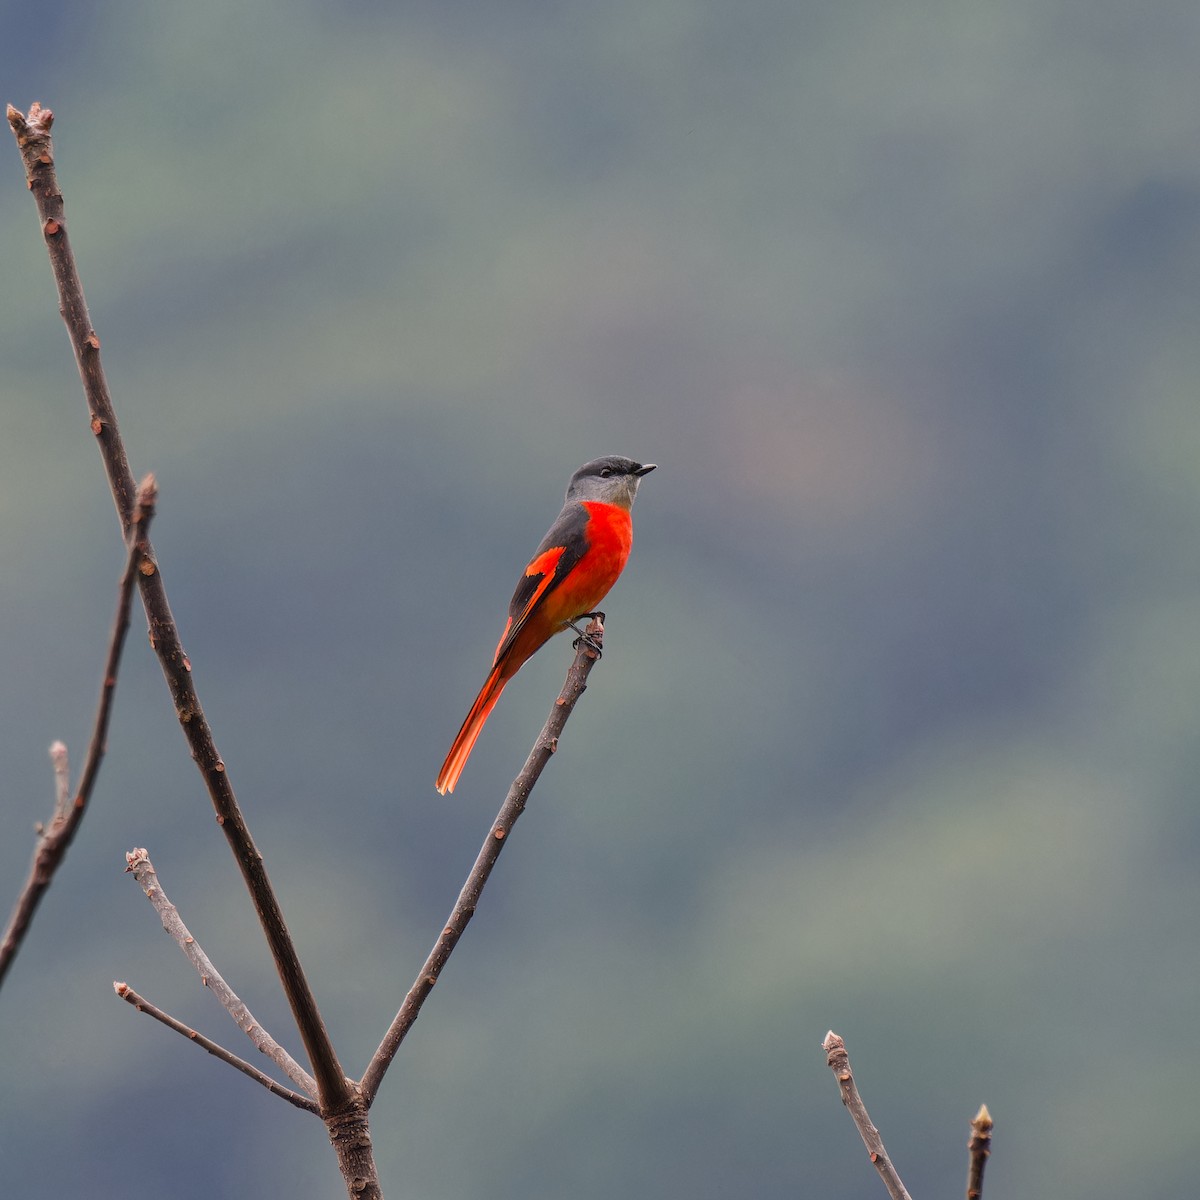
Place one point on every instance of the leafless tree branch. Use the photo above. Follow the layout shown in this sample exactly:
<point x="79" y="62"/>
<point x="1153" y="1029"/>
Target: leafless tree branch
<point x="839" y="1063"/>
<point x="139" y="865"/>
<point x="341" y="1102"/>
<point x="217" y="1051"/>
<point x="34" y="141"/>
<point x="54" y="840"/>
<point x="464" y="907"/>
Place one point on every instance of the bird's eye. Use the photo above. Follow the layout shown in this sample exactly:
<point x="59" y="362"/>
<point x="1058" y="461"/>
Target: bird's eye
<point x="605" y="472"/>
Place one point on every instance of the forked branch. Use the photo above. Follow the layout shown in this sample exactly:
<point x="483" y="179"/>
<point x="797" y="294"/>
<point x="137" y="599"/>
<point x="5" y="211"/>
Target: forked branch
<point x="341" y="1102"/>
<point x="138" y="864"/>
<point x="33" y="139"/>
<point x="464" y="907"/>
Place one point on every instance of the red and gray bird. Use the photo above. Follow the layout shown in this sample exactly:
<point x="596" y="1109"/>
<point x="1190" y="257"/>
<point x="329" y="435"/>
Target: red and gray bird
<point x="578" y="561"/>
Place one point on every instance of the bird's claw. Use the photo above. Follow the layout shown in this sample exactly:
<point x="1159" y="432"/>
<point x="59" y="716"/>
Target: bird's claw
<point x="590" y="640"/>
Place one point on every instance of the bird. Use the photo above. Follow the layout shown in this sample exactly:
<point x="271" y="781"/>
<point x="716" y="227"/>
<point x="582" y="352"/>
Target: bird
<point x="571" y="571"/>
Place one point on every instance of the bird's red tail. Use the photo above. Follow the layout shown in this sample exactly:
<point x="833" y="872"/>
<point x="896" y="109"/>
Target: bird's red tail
<point x="464" y="743"/>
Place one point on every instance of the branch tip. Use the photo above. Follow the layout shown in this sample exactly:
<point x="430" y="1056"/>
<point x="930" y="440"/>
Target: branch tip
<point x="217" y="1051"/>
<point x="54" y="840"/>
<point x="979" y="1148"/>
<point x="147" y="493"/>
<point x="839" y="1063"/>
<point x="32" y="125"/>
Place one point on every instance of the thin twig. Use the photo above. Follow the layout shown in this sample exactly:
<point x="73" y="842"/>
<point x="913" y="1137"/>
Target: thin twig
<point x="139" y="865"/>
<point x="33" y="139"/>
<point x="468" y="898"/>
<point x="839" y="1063"/>
<point x="54" y="840"/>
<point x="143" y="1005"/>
<point x="978" y="1149"/>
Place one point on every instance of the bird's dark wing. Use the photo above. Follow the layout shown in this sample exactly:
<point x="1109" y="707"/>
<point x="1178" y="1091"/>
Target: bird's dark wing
<point x="562" y="547"/>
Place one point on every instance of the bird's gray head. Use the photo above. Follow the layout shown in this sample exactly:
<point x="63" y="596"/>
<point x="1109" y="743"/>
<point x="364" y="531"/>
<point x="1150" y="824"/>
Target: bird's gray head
<point x="610" y="480"/>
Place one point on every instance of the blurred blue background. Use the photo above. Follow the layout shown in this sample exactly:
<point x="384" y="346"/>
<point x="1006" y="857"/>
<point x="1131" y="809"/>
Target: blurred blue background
<point x="895" y="727"/>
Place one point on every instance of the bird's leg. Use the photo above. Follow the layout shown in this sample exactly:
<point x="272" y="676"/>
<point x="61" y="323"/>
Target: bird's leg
<point x="587" y="638"/>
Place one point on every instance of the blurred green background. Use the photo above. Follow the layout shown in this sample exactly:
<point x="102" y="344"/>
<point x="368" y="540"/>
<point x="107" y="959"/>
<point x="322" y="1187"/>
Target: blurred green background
<point x="895" y="729"/>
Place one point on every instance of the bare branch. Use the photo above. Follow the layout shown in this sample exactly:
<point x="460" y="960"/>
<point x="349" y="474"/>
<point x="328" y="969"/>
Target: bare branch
<point x="33" y="139"/>
<point x="839" y="1063"/>
<point x="54" y="841"/>
<point x="139" y="864"/>
<point x="978" y="1149"/>
<point x="468" y="898"/>
<point x="143" y="1005"/>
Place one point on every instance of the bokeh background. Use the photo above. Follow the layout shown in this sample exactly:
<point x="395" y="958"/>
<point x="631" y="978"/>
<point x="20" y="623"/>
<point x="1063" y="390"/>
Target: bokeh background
<point x="895" y="731"/>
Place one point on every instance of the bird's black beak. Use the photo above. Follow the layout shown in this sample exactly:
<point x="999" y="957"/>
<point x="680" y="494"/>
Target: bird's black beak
<point x="645" y="470"/>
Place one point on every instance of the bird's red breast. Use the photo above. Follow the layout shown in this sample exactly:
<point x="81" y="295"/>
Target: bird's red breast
<point x="608" y="536"/>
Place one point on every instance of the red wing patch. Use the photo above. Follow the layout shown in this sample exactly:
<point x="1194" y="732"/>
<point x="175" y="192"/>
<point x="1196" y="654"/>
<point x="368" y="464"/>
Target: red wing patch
<point x="545" y="562"/>
<point x="562" y="547"/>
<point x="539" y="578"/>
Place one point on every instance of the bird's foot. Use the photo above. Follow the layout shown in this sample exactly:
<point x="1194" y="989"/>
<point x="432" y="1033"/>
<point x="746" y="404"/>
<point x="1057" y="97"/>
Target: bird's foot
<point x="593" y="636"/>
